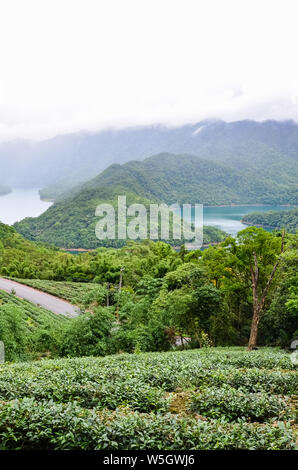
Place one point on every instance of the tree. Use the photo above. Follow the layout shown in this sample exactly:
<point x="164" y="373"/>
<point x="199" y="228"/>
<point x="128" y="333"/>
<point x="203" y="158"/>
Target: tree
<point x="259" y="299"/>
<point x="12" y="331"/>
<point x="87" y="334"/>
<point x="187" y="301"/>
<point x="254" y="259"/>
<point x="279" y="324"/>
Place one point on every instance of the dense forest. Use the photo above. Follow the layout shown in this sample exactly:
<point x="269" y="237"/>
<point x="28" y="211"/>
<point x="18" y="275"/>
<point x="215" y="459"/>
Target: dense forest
<point x="274" y="219"/>
<point x="71" y="221"/>
<point x="153" y="293"/>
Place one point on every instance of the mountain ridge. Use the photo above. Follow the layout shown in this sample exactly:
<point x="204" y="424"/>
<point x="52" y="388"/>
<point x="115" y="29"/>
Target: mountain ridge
<point x="163" y="178"/>
<point x="72" y="158"/>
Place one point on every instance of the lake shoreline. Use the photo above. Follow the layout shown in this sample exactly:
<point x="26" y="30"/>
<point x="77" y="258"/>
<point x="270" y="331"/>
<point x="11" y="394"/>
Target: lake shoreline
<point x="88" y="250"/>
<point x="251" y="224"/>
<point x="248" y="205"/>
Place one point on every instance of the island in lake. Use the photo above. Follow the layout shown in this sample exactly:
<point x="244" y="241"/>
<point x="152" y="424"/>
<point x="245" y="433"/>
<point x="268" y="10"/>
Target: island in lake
<point x="287" y="220"/>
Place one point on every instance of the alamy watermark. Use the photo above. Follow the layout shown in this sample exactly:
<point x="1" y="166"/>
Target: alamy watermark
<point x="156" y="222"/>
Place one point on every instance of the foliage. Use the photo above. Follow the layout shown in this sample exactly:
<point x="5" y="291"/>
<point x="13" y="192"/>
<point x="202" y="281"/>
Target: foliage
<point x="28" y="330"/>
<point x="281" y="319"/>
<point x="28" y="425"/>
<point x="234" y="404"/>
<point x="167" y="293"/>
<point x="12" y="331"/>
<point x="87" y="334"/>
<point x="287" y="220"/>
<point x="124" y="401"/>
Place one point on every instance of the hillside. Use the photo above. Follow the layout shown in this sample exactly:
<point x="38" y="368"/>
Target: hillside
<point x="265" y="150"/>
<point x="275" y="219"/>
<point x="168" y="178"/>
<point x="24" y="258"/>
<point x="186" y="178"/>
<point x="23" y="325"/>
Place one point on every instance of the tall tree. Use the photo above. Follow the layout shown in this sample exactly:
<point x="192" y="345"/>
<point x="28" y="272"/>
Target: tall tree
<point x="254" y="258"/>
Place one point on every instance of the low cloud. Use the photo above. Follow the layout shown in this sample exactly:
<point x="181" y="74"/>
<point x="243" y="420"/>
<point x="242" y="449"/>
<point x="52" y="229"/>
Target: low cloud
<point x="88" y="65"/>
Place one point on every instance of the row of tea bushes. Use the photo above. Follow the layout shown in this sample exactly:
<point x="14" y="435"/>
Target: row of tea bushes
<point x="46" y="425"/>
<point x="72" y="385"/>
<point x="68" y="379"/>
<point x="232" y="404"/>
<point x="33" y="315"/>
<point x="91" y="388"/>
<point x="73" y="292"/>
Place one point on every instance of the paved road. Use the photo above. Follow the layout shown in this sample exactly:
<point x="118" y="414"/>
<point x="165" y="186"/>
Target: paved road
<point x="50" y="302"/>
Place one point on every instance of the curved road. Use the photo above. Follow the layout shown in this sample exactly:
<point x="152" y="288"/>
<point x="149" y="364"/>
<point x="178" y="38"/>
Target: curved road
<point x="37" y="297"/>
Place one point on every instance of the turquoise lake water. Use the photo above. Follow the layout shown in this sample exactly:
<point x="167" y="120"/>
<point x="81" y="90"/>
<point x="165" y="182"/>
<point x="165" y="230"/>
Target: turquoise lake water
<point x="228" y="218"/>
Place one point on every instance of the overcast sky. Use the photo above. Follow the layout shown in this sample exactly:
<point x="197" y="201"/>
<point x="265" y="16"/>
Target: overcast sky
<point x="71" y="65"/>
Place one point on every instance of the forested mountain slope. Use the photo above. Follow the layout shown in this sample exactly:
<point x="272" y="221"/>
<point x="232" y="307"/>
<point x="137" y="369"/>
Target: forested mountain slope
<point x="276" y="219"/>
<point x="71" y="221"/>
<point x="262" y="149"/>
<point x="23" y="258"/>
<point x="167" y="178"/>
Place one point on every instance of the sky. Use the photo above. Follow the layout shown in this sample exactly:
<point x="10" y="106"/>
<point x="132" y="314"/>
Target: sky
<point x="73" y="65"/>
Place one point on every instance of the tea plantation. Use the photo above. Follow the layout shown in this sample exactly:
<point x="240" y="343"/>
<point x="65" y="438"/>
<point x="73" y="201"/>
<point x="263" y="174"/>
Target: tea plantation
<point x="73" y="292"/>
<point x="212" y="398"/>
<point x="31" y="314"/>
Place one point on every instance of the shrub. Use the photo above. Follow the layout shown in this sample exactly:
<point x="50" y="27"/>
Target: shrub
<point x="232" y="404"/>
<point x="46" y="425"/>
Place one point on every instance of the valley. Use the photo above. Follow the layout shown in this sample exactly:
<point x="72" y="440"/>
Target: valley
<point x="166" y="178"/>
<point x="148" y="335"/>
<point x="148" y="233"/>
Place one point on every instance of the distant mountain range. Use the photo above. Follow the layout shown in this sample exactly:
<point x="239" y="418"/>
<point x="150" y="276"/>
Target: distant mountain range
<point x="211" y="162"/>
<point x="267" y="151"/>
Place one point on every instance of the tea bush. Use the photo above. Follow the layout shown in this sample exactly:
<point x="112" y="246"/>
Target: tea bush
<point x="46" y="425"/>
<point x="231" y="399"/>
<point x="233" y="404"/>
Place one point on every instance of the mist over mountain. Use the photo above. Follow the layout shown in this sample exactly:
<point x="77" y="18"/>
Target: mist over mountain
<point x="253" y="147"/>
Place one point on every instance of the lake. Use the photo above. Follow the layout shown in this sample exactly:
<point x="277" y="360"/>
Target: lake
<point x="21" y="203"/>
<point x="228" y="218"/>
